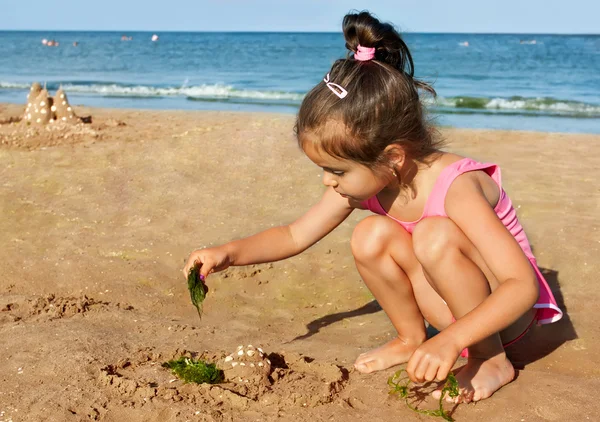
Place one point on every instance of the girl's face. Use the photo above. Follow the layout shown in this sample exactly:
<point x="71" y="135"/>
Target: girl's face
<point x="348" y="178"/>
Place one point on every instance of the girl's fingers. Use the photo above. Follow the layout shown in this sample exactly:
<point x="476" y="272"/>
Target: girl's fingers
<point x="412" y="364"/>
<point x="443" y="371"/>
<point x="431" y="371"/>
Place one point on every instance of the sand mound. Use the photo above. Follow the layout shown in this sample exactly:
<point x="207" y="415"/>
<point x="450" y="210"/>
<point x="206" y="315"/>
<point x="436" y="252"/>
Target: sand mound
<point x="53" y="307"/>
<point x="282" y="381"/>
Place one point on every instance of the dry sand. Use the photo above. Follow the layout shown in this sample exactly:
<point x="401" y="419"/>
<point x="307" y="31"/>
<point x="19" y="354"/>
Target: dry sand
<point x="97" y="222"/>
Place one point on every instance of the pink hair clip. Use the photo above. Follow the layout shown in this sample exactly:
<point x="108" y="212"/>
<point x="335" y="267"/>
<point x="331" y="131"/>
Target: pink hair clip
<point x="364" y="54"/>
<point x="335" y="88"/>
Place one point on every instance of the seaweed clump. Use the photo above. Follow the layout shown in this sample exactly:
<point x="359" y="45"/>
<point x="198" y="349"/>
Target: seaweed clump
<point x="195" y="371"/>
<point x="400" y="385"/>
<point x="197" y="288"/>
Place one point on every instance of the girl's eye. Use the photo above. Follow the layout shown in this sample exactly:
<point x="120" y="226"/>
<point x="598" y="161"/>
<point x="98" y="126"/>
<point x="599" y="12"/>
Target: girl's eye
<point x="338" y="173"/>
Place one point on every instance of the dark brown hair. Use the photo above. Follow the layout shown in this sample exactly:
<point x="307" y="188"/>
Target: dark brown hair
<point x="382" y="106"/>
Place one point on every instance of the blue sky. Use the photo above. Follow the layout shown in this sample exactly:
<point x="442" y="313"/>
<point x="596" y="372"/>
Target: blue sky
<point x="513" y="16"/>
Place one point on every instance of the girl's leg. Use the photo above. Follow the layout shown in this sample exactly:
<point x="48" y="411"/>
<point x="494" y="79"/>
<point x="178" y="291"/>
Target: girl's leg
<point x="385" y="259"/>
<point x="456" y="270"/>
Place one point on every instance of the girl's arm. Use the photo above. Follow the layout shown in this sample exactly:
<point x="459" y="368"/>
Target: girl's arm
<point x="279" y="242"/>
<point x="470" y="210"/>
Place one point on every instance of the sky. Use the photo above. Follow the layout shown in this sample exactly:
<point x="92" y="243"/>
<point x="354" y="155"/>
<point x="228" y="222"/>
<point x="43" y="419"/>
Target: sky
<point x="467" y="16"/>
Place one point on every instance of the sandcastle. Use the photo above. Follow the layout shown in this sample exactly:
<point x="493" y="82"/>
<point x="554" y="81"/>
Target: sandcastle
<point x="43" y="109"/>
<point x="247" y="365"/>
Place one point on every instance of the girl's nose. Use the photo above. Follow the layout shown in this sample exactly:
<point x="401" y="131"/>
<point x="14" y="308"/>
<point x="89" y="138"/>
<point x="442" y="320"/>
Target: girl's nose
<point x="329" y="179"/>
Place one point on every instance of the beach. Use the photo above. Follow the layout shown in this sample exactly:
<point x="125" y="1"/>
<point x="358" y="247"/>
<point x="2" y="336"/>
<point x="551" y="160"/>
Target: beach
<point x="98" y="220"/>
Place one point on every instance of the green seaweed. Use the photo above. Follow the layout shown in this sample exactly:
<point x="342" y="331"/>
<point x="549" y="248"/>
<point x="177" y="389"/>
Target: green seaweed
<point x="196" y="371"/>
<point x="400" y="385"/>
<point x="197" y="288"/>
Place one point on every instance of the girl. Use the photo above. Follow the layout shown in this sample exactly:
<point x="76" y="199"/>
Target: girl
<point x="446" y="245"/>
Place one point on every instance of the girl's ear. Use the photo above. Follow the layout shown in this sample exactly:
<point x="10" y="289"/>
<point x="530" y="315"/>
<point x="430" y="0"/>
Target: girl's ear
<point x="395" y="155"/>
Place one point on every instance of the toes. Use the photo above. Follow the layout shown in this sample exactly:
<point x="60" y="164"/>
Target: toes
<point x="364" y="367"/>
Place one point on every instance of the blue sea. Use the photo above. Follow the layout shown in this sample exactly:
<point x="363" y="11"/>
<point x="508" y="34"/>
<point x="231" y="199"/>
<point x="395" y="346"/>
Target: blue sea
<point x="528" y="82"/>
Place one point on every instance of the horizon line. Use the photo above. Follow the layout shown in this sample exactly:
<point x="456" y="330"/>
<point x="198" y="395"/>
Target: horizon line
<point x="294" y="32"/>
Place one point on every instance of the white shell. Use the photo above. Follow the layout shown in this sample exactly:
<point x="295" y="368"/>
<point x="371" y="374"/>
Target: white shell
<point x="42" y="103"/>
<point x="228" y="359"/>
<point x="242" y="364"/>
<point x="51" y="120"/>
<point x="260" y="350"/>
<point x="250" y="352"/>
<point x="241" y="353"/>
<point x="268" y="361"/>
<point x="250" y="346"/>
<point x="64" y="102"/>
<point x="64" y="119"/>
<point x="240" y="347"/>
<point x="43" y="111"/>
<point x="53" y="108"/>
<point x="38" y="120"/>
<point x="62" y="96"/>
<point x="29" y="115"/>
<point x="251" y="365"/>
<point x="29" y="105"/>
<point x="68" y="108"/>
<point x="234" y="364"/>
<point x="261" y="364"/>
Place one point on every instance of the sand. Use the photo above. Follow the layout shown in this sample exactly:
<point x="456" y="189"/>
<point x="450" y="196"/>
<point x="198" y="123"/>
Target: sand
<point x="97" y="221"/>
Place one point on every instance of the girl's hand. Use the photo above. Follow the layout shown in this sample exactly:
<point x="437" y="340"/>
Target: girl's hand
<point x="210" y="260"/>
<point x="434" y="359"/>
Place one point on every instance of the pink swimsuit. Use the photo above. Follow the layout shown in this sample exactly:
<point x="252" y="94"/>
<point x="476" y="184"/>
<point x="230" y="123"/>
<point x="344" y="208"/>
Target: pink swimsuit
<point x="547" y="310"/>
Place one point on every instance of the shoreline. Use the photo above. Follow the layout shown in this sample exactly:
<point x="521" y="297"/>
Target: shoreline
<point x="14" y="110"/>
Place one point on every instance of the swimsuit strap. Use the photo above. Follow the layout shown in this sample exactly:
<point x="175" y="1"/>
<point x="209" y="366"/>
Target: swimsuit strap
<point x="437" y="197"/>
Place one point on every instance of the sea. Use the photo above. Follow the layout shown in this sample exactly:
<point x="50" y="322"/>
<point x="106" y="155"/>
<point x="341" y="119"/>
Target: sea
<point x="498" y="81"/>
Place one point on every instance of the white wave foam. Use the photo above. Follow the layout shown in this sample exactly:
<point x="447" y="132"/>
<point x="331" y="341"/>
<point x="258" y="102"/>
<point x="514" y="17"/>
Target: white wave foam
<point x="528" y="104"/>
<point x="217" y="91"/>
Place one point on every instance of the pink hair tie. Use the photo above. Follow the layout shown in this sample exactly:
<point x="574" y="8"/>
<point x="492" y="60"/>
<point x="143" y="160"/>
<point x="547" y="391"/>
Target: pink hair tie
<point x="364" y="54"/>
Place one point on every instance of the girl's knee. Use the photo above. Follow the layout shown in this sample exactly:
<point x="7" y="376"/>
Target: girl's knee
<point x="432" y="238"/>
<point x="372" y="236"/>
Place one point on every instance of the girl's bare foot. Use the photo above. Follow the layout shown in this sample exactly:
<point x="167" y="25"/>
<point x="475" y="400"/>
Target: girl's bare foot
<point x="392" y="353"/>
<point x="480" y="378"/>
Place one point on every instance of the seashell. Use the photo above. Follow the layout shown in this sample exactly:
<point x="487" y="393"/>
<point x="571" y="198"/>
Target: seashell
<point x="242" y="364"/>
<point x="68" y="108"/>
<point x="64" y="119"/>
<point x="228" y="359"/>
<point x="43" y="111"/>
<point x="261" y="364"/>
<point x="234" y="364"/>
<point x="251" y="365"/>
<point x="53" y="108"/>
<point x="250" y="346"/>
<point x="250" y="352"/>
<point x="42" y="103"/>
<point x="51" y="120"/>
<point x="64" y="102"/>
<point x="268" y="361"/>
<point x="260" y="350"/>
<point x="245" y="380"/>
<point x="29" y="105"/>
<point x="29" y="116"/>
<point x="38" y="120"/>
<point x="241" y="351"/>
<point x="240" y="347"/>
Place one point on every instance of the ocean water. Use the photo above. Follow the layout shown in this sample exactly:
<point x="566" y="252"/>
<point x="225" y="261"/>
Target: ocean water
<point x="527" y="82"/>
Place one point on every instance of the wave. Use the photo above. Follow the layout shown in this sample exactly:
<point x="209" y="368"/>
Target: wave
<point x="545" y="106"/>
<point x="198" y="92"/>
<point x="515" y="105"/>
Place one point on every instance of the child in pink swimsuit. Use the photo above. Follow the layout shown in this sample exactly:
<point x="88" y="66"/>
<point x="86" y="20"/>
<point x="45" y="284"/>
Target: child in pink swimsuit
<point x="446" y="247"/>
